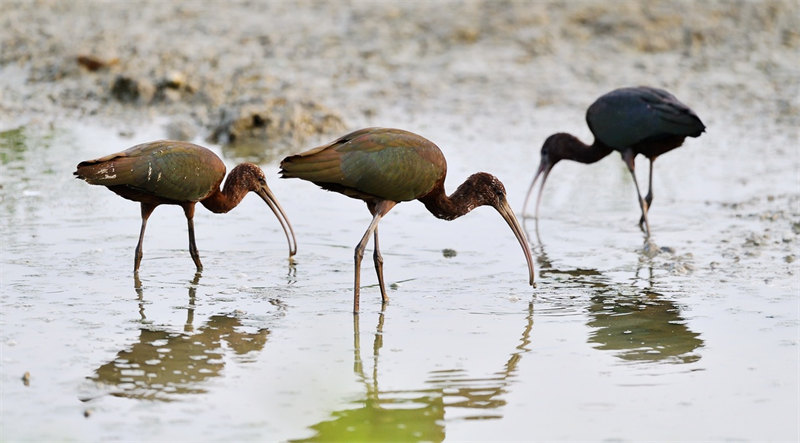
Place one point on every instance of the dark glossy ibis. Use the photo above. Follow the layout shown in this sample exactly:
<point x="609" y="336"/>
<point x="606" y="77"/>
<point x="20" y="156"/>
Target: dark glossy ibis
<point x="386" y="166"/>
<point x="641" y="120"/>
<point x="179" y="173"/>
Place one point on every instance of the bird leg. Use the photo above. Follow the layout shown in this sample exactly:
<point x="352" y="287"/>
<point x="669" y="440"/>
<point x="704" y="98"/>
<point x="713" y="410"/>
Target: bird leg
<point x="188" y="209"/>
<point x="378" y="210"/>
<point x="359" y="254"/>
<point x="147" y="209"/>
<point x="628" y="156"/>
<point x="649" y="197"/>
<point x="378" y="259"/>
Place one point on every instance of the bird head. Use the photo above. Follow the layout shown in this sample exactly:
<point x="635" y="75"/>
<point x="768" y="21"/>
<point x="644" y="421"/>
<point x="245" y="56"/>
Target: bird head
<point x="554" y="149"/>
<point x="488" y="189"/>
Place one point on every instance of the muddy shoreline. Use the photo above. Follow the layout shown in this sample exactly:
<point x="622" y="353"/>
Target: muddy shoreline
<point x="289" y="74"/>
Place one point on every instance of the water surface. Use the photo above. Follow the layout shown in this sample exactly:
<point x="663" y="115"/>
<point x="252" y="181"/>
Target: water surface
<point x="699" y="341"/>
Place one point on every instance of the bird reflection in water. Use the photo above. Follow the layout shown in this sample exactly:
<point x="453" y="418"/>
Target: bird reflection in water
<point x="418" y="414"/>
<point x="578" y="277"/>
<point x="162" y="364"/>
<point x="640" y="325"/>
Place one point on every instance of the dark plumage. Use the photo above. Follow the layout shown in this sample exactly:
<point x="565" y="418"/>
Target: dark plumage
<point x="632" y="121"/>
<point x="386" y="166"/>
<point x="179" y="173"/>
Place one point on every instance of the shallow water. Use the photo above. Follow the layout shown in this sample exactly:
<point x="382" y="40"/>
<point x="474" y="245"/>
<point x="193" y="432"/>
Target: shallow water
<point x="699" y="341"/>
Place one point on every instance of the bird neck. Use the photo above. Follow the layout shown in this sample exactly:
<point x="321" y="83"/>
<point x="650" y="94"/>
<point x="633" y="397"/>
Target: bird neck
<point x="460" y="202"/>
<point x="237" y="185"/>
<point x="572" y="148"/>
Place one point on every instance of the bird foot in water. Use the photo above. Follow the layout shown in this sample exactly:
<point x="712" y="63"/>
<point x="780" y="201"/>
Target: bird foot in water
<point x="650" y="248"/>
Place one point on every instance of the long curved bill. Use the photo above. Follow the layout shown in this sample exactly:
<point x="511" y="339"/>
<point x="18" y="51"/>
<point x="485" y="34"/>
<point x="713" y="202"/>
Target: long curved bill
<point x="269" y="198"/>
<point x="508" y="215"/>
<point x="544" y="170"/>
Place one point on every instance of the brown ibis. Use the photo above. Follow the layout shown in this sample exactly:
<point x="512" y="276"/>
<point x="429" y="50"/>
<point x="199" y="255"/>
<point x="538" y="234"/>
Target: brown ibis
<point x="179" y="173"/>
<point x="632" y="121"/>
<point x="384" y="167"/>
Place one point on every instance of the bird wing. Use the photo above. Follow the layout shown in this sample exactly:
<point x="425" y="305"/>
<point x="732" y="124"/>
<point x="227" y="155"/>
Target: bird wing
<point x="170" y="170"/>
<point x="627" y="116"/>
<point x="388" y="164"/>
<point x="318" y="165"/>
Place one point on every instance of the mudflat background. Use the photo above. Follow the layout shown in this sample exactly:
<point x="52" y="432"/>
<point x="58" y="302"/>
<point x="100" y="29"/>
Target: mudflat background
<point x="364" y="62"/>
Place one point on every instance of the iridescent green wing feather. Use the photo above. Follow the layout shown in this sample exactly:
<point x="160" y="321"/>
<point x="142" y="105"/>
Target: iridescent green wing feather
<point x="171" y="170"/>
<point x="392" y="164"/>
<point x="388" y="164"/>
